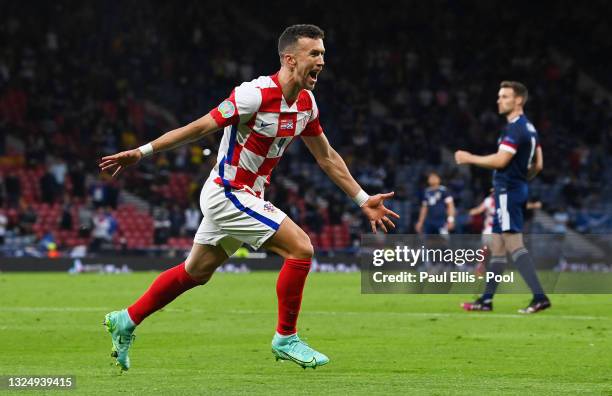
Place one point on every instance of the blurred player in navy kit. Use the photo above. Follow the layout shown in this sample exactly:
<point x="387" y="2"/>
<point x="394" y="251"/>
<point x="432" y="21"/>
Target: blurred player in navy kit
<point x="437" y="214"/>
<point x="518" y="159"/>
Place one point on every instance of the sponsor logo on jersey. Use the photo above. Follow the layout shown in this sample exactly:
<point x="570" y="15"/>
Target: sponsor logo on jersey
<point x="227" y="109"/>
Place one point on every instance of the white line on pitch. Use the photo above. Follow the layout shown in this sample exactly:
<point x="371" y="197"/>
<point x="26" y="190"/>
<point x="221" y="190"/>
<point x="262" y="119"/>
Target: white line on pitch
<point x="432" y="314"/>
<point x="331" y="313"/>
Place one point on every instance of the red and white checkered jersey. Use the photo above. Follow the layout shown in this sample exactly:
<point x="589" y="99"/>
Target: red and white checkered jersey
<point x="489" y="203"/>
<point x="259" y="124"/>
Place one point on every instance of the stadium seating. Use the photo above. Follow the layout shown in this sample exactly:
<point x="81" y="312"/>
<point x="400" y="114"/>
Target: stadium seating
<point x="403" y="106"/>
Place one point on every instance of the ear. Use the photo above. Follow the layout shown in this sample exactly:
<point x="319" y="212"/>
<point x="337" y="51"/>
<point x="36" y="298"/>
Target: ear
<point x="291" y="60"/>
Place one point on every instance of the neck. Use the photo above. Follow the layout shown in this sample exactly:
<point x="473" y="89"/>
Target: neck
<point x="289" y="86"/>
<point x="515" y="113"/>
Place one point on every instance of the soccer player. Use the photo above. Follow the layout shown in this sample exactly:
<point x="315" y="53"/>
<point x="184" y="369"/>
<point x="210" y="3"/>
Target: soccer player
<point x="437" y="214"/>
<point x="260" y="119"/>
<point x="518" y="159"/>
<point x="487" y="206"/>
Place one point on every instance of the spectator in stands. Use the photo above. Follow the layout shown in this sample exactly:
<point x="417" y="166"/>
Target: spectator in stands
<point x="102" y="230"/>
<point x="128" y="139"/>
<point x="561" y="218"/>
<point x="312" y="217"/>
<point x="112" y="194"/>
<point x="85" y="219"/>
<point x="58" y="169"/>
<point x="403" y="106"/>
<point x="97" y="192"/>
<point x="35" y="150"/>
<point x="177" y="220"/>
<point x="48" y="188"/>
<point x="3" y="197"/>
<point x="77" y="177"/>
<point x="65" y="220"/>
<point x="47" y="242"/>
<point x="161" y="225"/>
<point x="335" y="210"/>
<point x="192" y="219"/>
<point x="3" y="225"/>
<point x="27" y="218"/>
<point x="114" y="225"/>
<point x="13" y="190"/>
<point x="180" y="158"/>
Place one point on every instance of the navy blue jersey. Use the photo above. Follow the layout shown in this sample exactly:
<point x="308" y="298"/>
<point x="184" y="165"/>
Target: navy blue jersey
<point x="436" y="200"/>
<point x="520" y="138"/>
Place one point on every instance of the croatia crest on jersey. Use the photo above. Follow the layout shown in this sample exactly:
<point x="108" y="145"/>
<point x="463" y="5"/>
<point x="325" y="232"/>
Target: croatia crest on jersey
<point x="268" y="207"/>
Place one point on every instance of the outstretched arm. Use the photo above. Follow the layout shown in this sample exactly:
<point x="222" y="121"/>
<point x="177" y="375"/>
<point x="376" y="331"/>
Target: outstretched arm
<point x="177" y="137"/>
<point x="478" y="209"/>
<point x="334" y="166"/>
<point x="498" y="160"/>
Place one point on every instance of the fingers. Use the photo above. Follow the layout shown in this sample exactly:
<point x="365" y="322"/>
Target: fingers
<point x="387" y="195"/>
<point x="107" y="165"/>
<point x="113" y="159"/>
<point x="388" y="222"/>
<point x="109" y="157"/>
<point x="382" y="225"/>
<point x="392" y="213"/>
<point x="117" y="171"/>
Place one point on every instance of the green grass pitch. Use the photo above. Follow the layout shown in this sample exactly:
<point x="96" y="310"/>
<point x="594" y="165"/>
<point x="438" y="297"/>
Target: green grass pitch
<point x="215" y="339"/>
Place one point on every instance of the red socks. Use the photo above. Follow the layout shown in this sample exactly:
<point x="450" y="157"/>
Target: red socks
<point x="289" y="289"/>
<point x="175" y="281"/>
<point x="165" y="288"/>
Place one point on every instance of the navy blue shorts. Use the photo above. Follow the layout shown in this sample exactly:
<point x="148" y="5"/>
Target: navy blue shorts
<point x="435" y="228"/>
<point x="509" y="206"/>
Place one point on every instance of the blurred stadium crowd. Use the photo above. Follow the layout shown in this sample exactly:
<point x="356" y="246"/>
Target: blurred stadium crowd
<point x="403" y="87"/>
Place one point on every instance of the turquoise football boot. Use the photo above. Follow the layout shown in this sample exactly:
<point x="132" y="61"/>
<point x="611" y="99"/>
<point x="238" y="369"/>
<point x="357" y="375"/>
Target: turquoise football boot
<point x="121" y="328"/>
<point x="293" y="349"/>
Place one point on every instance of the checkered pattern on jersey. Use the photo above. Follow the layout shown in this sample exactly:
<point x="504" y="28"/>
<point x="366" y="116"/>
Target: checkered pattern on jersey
<point x="260" y="131"/>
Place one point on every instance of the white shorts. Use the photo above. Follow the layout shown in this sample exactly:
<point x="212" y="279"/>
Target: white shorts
<point x="233" y="217"/>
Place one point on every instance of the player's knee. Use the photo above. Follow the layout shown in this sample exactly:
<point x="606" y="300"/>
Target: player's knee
<point x="303" y="248"/>
<point x="513" y="242"/>
<point x="199" y="275"/>
<point x="200" y="271"/>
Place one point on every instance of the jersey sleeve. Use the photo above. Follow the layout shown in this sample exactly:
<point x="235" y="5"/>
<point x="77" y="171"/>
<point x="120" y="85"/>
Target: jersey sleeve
<point x="238" y="108"/>
<point x="313" y="127"/>
<point x="510" y="141"/>
<point x="447" y="197"/>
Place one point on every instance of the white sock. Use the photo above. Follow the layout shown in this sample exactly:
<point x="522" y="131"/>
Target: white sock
<point x="284" y="336"/>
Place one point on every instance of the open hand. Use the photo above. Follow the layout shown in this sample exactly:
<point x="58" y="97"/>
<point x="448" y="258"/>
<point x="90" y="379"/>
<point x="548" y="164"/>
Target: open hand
<point x="377" y="213"/>
<point x="117" y="162"/>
